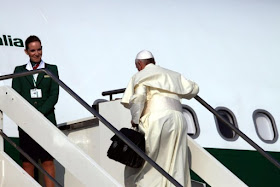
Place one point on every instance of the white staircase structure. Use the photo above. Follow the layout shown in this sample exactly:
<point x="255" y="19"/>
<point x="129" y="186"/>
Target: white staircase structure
<point x="83" y="152"/>
<point x="75" y="161"/>
<point x="12" y="174"/>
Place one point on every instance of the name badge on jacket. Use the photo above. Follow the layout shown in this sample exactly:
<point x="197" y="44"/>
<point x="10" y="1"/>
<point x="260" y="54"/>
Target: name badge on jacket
<point x="36" y="93"/>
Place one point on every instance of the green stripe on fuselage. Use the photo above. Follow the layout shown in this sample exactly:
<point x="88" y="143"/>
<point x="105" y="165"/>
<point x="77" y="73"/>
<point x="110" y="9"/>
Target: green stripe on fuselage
<point x="11" y="151"/>
<point x="250" y="166"/>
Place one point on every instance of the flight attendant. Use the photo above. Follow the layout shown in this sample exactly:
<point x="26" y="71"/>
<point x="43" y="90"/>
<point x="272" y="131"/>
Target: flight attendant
<point x="41" y="92"/>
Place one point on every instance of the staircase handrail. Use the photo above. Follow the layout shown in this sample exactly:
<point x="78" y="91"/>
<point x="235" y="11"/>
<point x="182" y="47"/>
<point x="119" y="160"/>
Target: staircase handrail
<point x="212" y="110"/>
<point x="96" y="114"/>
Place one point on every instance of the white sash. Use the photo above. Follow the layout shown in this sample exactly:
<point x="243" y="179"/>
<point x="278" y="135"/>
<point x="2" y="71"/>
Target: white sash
<point x="159" y="103"/>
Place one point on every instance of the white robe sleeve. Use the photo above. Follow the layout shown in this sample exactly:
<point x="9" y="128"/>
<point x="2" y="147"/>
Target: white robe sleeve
<point x="193" y="89"/>
<point x="137" y="102"/>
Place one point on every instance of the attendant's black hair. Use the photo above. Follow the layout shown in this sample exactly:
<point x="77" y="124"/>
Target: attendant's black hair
<point x="30" y="39"/>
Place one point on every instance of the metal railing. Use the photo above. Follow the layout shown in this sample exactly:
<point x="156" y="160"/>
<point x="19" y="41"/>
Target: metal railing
<point x="101" y="118"/>
<point x="212" y="110"/>
<point x="29" y="158"/>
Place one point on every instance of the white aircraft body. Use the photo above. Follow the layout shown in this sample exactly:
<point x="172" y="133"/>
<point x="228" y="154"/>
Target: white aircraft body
<point x="231" y="49"/>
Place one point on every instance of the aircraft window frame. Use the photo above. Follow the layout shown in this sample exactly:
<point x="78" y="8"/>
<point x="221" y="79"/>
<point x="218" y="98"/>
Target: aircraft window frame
<point x="234" y="122"/>
<point x="195" y="119"/>
<point x="273" y="125"/>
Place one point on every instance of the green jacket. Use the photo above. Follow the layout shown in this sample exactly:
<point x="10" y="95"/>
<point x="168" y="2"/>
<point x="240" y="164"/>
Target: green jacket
<point x="50" y="90"/>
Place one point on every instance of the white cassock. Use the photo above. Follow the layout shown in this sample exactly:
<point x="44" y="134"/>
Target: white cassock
<point x="153" y="96"/>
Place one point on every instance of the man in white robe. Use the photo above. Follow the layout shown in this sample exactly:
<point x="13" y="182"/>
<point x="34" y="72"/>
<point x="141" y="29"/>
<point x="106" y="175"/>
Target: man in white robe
<point x="153" y="96"/>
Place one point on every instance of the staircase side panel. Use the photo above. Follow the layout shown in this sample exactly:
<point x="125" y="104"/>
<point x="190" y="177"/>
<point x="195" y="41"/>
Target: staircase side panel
<point x="11" y="174"/>
<point x="84" y="168"/>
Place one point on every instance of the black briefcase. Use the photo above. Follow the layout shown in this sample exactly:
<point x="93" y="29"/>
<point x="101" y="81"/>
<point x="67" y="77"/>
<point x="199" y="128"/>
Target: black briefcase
<point x="121" y="152"/>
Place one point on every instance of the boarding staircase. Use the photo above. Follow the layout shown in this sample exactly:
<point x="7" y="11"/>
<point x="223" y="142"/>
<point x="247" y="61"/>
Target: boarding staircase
<point x="81" y="149"/>
<point x="86" y="164"/>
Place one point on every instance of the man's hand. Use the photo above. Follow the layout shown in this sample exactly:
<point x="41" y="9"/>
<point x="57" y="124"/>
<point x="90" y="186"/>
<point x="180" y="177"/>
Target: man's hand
<point x="134" y="125"/>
